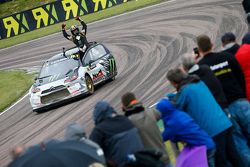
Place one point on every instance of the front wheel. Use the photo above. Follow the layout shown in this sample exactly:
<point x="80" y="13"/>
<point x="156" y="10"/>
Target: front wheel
<point x="89" y="84"/>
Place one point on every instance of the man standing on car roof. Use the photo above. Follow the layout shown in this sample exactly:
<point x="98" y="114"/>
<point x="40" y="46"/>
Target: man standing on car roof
<point x="77" y="36"/>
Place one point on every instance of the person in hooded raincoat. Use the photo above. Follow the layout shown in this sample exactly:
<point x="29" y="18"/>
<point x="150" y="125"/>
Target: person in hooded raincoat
<point x="180" y="127"/>
<point x="115" y="134"/>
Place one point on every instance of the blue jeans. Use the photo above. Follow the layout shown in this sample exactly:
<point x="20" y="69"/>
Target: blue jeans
<point x="240" y="111"/>
<point x="238" y="149"/>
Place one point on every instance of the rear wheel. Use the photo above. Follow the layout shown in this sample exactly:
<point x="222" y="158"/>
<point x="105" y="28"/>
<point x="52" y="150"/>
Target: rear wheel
<point x="89" y="84"/>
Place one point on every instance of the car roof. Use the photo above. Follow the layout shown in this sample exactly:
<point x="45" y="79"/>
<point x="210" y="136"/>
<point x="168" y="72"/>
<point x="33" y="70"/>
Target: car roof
<point x="71" y="51"/>
<point x="68" y="53"/>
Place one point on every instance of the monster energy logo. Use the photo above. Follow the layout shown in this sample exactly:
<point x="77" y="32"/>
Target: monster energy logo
<point x="112" y="65"/>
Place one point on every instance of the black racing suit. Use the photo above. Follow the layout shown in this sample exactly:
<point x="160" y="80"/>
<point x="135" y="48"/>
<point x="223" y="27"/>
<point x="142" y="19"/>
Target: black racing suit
<point x="79" y="40"/>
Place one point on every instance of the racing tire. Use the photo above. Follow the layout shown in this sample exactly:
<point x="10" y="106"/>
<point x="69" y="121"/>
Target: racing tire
<point x="89" y="84"/>
<point x="38" y="111"/>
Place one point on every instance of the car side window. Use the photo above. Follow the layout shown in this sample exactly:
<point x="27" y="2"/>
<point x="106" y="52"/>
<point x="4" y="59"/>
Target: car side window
<point x="95" y="53"/>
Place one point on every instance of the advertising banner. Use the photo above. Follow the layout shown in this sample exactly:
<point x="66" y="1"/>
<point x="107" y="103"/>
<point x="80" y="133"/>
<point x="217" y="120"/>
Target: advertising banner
<point x="50" y="14"/>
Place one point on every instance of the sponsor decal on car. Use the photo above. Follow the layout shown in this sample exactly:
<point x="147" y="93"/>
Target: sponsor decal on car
<point x="75" y="56"/>
<point x="99" y="76"/>
<point x="112" y="65"/>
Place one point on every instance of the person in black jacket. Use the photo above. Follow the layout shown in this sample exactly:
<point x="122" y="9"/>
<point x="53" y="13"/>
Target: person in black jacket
<point x="228" y="71"/>
<point x="229" y="44"/>
<point x="225" y="67"/>
<point x="115" y="134"/>
<point x="246" y="6"/>
<point x="207" y="76"/>
<point x="77" y="36"/>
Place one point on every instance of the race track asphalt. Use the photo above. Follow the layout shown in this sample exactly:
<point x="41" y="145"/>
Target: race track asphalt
<point x="145" y="43"/>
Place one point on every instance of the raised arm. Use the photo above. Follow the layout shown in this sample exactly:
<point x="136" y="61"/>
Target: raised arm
<point x="84" y="25"/>
<point x="65" y="34"/>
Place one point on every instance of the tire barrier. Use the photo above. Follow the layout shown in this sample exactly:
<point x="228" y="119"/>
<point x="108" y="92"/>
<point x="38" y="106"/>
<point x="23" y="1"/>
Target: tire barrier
<point x="50" y="14"/>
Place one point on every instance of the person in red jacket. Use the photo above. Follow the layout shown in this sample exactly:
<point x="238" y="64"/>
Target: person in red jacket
<point x="243" y="57"/>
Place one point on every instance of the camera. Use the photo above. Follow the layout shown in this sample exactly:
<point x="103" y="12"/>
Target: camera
<point x="196" y="52"/>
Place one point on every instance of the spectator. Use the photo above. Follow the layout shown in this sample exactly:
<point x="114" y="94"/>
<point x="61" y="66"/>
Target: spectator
<point x="229" y="44"/>
<point x="180" y="127"/>
<point x="228" y="71"/>
<point x="243" y="57"/>
<point x="196" y="55"/>
<point x="115" y="134"/>
<point x="225" y="67"/>
<point x="239" y="147"/>
<point x="195" y="98"/>
<point x="76" y="132"/>
<point x="145" y="122"/>
<point x="207" y="76"/>
<point x="246" y="6"/>
<point x="17" y="151"/>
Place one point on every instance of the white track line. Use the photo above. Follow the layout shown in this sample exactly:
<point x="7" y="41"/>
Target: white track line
<point x="89" y="24"/>
<point x="153" y="105"/>
<point x="13" y="104"/>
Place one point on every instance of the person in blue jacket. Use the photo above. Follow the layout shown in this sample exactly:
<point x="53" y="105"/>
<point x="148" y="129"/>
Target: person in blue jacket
<point x="180" y="127"/>
<point x="194" y="97"/>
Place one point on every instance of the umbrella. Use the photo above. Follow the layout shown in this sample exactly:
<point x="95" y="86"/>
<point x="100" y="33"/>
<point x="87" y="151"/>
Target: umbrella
<point x="60" y="154"/>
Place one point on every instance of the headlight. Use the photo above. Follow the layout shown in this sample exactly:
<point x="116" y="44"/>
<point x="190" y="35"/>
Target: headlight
<point x="35" y="90"/>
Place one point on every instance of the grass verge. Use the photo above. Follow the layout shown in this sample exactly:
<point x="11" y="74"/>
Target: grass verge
<point x="16" y="6"/>
<point x="119" y="9"/>
<point x="13" y="85"/>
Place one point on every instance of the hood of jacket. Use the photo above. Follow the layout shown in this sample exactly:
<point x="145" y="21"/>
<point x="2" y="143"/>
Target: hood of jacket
<point x="133" y="109"/>
<point x="165" y="107"/>
<point x="188" y="80"/>
<point x="74" y="132"/>
<point x="102" y="111"/>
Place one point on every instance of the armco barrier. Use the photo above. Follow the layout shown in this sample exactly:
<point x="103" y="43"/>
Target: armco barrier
<point x="50" y="14"/>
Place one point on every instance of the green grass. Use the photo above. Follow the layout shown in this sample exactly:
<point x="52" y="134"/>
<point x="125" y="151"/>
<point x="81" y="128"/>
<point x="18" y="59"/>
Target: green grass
<point x="16" y="6"/>
<point x="129" y="6"/>
<point x="13" y="85"/>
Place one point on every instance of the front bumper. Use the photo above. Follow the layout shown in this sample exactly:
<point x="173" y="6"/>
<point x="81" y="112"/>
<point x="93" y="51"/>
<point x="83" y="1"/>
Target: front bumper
<point x="49" y="98"/>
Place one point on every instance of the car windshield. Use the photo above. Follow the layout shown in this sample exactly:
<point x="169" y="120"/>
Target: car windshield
<point x="58" y="67"/>
<point x="94" y="53"/>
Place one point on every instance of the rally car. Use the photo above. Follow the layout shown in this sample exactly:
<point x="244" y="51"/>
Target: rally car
<point x="70" y="74"/>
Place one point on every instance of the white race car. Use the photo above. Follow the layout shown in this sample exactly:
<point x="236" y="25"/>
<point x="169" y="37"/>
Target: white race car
<point x="71" y="73"/>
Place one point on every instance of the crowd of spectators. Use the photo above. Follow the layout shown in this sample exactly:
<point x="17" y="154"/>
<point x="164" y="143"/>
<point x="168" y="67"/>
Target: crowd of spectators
<point x="209" y="112"/>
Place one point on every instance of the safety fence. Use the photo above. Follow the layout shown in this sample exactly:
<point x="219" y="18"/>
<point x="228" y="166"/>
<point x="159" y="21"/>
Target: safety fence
<point x="50" y="14"/>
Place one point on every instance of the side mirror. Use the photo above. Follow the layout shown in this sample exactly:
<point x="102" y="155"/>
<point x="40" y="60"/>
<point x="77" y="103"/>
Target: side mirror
<point x="91" y="65"/>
